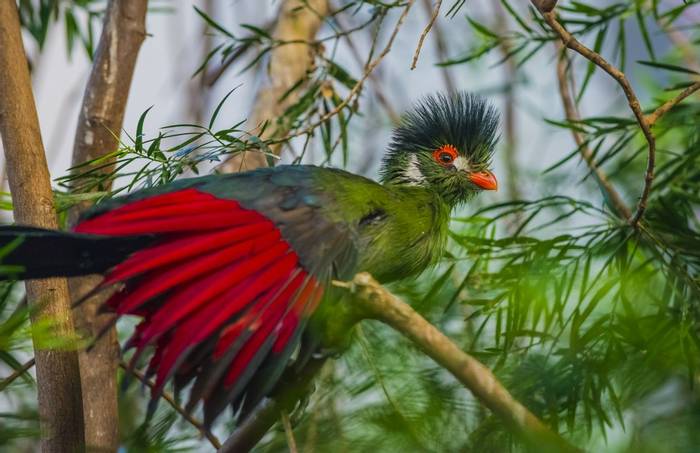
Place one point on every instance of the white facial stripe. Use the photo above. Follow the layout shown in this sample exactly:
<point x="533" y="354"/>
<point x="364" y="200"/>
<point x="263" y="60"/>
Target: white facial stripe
<point x="412" y="173"/>
<point x="461" y="163"/>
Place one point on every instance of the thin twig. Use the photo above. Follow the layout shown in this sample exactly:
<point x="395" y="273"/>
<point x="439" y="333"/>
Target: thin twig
<point x="288" y="432"/>
<point x="653" y="117"/>
<point x="19" y="372"/>
<point x="376" y="302"/>
<point x="572" y="115"/>
<point x="546" y="8"/>
<point x="179" y="409"/>
<point x="434" y="16"/>
<point x="441" y="47"/>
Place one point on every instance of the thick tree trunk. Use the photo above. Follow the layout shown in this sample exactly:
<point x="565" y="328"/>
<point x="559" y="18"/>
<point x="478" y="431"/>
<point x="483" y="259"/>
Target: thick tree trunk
<point x="58" y="378"/>
<point x="298" y="21"/>
<point x="99" y="125"/>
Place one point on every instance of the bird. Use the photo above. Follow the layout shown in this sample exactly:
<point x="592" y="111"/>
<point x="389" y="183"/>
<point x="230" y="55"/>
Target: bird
<point x="226" y="271"/>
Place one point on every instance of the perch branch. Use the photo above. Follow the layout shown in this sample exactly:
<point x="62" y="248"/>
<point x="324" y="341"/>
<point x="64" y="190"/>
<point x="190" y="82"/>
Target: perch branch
<point x="58" y="375"/>
<point x="547" y="10"/>
<point x="99" y="124"/>
<point x="378" y="303"/>
<point x="572" y="115"/>
<point x="170" y="399"/>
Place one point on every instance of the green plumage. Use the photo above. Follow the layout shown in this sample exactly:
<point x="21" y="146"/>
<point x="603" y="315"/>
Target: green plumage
<point x="340" y="223"/>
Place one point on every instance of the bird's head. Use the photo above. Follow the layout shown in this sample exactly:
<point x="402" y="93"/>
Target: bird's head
<point x="444" y="143"/>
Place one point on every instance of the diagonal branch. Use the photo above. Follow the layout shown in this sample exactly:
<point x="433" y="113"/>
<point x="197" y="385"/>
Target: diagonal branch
<point x="547" y="10"/>
<point x="378" y="303"/>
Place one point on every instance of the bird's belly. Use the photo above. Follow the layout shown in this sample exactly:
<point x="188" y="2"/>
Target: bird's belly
<point x="404" y="260"/>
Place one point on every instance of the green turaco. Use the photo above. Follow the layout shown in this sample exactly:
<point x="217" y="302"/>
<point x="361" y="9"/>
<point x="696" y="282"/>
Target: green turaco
<point x="226" y="270"/>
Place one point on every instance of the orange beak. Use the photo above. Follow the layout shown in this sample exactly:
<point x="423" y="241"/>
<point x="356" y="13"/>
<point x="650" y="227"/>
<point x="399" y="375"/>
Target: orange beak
<point x="484" y="179"/>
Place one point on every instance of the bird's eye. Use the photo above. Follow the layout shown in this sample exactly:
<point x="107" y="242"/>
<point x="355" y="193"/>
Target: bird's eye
<point x="445" y="155"/>
<point x="446" y="158"/>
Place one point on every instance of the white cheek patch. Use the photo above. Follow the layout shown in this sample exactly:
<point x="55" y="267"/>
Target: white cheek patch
<point x="412" y="173"/>
<point x="461" y="163"/>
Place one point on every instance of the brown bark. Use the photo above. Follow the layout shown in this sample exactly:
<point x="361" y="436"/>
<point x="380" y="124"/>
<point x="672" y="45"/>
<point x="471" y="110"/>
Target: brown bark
<point x="58" y="377"/>
<point x="569" y="41"/>
<point x="99" y="125"/>
<point x="298" y="21"/>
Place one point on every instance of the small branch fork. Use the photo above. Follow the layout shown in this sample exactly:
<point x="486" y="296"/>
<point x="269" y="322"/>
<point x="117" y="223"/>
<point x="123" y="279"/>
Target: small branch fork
<point x="645" y="122"/>
<point x="664" y="108"/>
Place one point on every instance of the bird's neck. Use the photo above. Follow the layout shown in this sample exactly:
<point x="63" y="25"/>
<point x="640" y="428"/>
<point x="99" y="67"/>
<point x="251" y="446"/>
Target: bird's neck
<point x="402" y="169"/>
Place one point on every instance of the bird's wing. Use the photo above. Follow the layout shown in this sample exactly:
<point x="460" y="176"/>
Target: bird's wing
<point x="239" y="264"/>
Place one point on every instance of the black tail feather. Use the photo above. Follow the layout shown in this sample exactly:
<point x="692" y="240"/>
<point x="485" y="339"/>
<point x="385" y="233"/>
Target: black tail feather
<point x="48" y="253"/>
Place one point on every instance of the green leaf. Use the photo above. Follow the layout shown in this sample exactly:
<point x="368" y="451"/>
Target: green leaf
<point x="668" y="67"/>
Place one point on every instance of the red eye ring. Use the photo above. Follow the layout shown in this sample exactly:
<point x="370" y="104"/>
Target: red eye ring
<point x="445" y="155"/>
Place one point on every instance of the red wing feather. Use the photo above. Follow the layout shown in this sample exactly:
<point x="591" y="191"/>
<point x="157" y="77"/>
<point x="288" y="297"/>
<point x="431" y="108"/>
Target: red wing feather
<point x="219" y="276"/>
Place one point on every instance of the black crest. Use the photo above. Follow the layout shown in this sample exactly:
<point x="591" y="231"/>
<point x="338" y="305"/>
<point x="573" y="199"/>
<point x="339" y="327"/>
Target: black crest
<point x="460" y="119"/>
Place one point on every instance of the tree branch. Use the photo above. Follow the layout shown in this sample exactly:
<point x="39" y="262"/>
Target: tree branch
<point x="170" y="399"/>
<point x="572" y="115"/>
<point x="378" y="303"/>
<point x="99" y="125"/>
<point x="58" y="375"/>
<point x="546" y="8"/>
